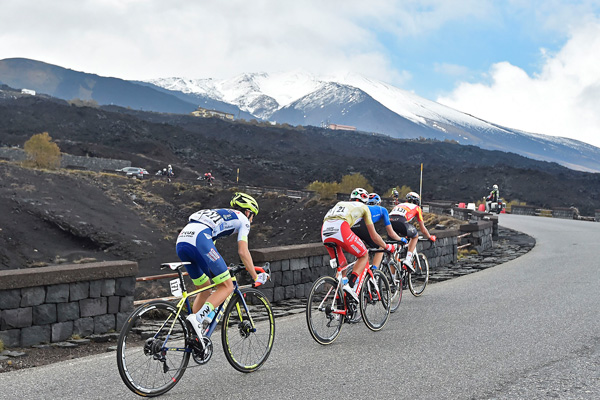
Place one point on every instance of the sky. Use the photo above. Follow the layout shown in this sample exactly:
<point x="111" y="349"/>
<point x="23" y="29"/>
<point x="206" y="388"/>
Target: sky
<point x="532" y="65"/>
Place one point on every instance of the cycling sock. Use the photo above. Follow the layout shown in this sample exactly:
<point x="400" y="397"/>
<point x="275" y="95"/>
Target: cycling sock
<point x="352" y="279"/>
<point x="409" y="255"/>
<point x="204" y="311"/>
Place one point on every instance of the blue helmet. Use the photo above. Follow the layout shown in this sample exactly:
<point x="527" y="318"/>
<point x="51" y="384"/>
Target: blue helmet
<point x="374" y="199"/>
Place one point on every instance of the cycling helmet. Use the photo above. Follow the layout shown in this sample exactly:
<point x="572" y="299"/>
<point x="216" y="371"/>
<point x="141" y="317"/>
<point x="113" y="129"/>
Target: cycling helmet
<point x="244" y="201"/>
<point x="414" y="198"/>
<point x="374" y="199"/>
<point x="495" y="187"/>
<point x="359" y="194"/>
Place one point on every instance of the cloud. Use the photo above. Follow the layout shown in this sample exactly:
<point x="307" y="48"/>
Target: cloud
<point x="563" y="99"/>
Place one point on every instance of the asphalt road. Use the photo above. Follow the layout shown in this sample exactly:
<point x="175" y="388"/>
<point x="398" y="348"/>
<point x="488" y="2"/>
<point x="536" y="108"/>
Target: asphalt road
<point x="527" y="329"/>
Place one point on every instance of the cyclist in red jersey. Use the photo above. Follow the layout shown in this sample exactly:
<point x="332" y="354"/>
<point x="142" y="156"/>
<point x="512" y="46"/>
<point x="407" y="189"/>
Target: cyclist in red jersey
<point x="336" y="229"/>
<point x="400" y="217"/>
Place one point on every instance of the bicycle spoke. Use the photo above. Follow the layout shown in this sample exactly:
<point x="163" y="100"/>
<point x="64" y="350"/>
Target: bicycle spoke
<point x="324" y="323"/>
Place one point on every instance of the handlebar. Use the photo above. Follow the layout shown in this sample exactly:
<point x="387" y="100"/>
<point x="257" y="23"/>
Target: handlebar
<point x="236" y="269"/>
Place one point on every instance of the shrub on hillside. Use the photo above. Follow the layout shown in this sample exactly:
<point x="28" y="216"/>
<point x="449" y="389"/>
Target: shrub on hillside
<point x="42" y="152"/>
<point x="328" y="190"/>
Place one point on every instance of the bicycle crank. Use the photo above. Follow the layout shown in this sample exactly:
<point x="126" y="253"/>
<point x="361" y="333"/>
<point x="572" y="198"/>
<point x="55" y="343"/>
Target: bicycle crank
<point x="202" y="352"/>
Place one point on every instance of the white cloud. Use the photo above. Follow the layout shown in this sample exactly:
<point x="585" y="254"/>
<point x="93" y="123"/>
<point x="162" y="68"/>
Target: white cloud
<point x="562" y="100"/>
<point x="135" y="39"/>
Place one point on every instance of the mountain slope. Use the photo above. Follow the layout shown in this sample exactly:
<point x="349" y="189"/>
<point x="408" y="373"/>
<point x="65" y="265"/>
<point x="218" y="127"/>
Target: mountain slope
<point x="303" y="99"/>
<point x="67" y="84"/>
<point x="298" y="98"/>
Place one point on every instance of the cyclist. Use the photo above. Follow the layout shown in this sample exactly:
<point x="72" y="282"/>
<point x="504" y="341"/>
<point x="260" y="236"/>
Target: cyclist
<point x="336" y="229"/>
<point x="492" y="198"/>
<point x="195" y="244"/>
<point x="396" y="195"/>
<point x="400" y="217"/>
<point x="378" y="213"/>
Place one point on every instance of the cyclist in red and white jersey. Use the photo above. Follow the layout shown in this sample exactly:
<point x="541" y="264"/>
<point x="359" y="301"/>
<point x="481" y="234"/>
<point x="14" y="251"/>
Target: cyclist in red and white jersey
<point x="400" y="217"/>
<point x="336" y="229"/>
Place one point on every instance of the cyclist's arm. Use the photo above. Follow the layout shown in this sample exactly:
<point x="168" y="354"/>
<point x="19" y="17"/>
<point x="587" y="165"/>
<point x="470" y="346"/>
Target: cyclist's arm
<point x="424" y="229"/>
<point x="246" y="258"/>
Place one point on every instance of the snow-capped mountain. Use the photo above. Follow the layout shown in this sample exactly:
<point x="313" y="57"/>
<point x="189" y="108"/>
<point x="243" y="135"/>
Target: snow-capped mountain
<point x="299" y="98"/>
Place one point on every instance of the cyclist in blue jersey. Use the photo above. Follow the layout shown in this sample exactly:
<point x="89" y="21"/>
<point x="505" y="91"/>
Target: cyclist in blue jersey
<point x="195" y="244"/>
<point x="378" y="213"/>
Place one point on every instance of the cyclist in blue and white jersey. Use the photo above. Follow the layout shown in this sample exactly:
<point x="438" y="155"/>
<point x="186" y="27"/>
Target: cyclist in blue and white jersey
<point x="378" y="213"/>
<point x="195" y="244"/>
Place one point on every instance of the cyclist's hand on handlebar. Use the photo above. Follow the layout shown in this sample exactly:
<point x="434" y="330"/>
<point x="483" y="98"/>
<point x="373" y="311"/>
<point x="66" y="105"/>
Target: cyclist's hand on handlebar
<point x="390" y="247"/>
<point x="432" y="238"/>
<point x="260" y="279"/>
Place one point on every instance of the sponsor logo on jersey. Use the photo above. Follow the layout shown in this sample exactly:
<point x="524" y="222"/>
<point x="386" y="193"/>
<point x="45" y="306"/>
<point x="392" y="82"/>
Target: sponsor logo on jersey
<point x="213" y="255"/>
<point x="187" y="234"/>
<point x="330" y="231"/>
<point x="355" y="248"/>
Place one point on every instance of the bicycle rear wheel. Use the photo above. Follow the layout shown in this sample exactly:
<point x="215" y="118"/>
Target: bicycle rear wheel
<point x="417" y="281"/>
<point x="324" y="324"/>
<point x="248" y="330"/>
<point x="375" y="301"/>
<point x="147" y="365"/>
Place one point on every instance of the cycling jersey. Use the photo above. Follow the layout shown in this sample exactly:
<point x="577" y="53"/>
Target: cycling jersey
<point x="195" y="242"/>
<point x="378" y="213"/>
<point x="350" y="211"/>
<point x="408" y="211"/>
<point x="223" y="222"/>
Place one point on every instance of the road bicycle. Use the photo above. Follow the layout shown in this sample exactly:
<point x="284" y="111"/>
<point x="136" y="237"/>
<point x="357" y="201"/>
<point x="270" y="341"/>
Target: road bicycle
<point x="402" y="278"/>
<point x="328" y="306"/>
<point x="156" y="342"/>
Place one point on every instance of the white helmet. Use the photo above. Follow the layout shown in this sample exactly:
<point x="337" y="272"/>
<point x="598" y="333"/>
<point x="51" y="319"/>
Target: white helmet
<point x="495" y="187"/>
<point x="169" y="165"/>
<point x="413" y="197"/>
<point x="359" y="194"/>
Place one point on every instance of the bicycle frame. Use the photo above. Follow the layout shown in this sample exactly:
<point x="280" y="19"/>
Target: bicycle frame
<point x="359" y="282"/>
<point x="219" y="311"/>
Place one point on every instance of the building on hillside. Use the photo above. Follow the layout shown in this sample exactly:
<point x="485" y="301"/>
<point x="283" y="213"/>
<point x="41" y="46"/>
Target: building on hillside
<point x="28" y="91"/>
<point x="337" y="127"/>
<point x="206" y="113"/>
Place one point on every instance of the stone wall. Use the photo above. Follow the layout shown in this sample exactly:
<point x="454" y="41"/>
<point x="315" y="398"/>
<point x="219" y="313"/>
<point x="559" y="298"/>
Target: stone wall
<point x="295" y="268"/>
<point x="51" y="304"/>
<point x="523" y="210"/>
<point x="597" y="217"/>
<point x="563" y="212"/>
<point x="480" y="236"/>
<point x="70" y="161"/>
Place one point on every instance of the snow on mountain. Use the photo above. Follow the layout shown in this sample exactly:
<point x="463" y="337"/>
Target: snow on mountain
<point x="298" y="97"/>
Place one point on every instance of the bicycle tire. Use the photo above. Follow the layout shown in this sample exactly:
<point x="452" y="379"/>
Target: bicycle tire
<point x="146" y="368"/>
<point x="324" y="325"/>
<point x="395" y="285"/>
<point x="417" y="281"/>
<point x="375" y="310"/>
<point x="247" y="347"/>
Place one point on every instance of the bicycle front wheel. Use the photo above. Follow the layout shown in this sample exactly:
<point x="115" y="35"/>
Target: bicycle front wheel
<point x="375" y="301"/>
<point x="417" y="281"/>
<point x="152" y="352"/>
<point x="248" y="330"/>
<point x="395" y="281"/>
<point x="325" y="302"/>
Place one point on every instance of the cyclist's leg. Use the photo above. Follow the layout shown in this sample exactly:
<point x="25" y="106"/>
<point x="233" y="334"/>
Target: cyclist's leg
<point x="353" y="245"/>
<point x="360" y="230"/>
<point x="330" y="233"/>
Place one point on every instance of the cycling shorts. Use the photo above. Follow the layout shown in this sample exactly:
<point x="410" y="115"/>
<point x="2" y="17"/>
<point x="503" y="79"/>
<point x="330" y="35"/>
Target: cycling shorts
<point x="338" y="231"/>
<point x="360" y="230"/>
<point x="403" y="227"/>
<point x="195" y="245"/>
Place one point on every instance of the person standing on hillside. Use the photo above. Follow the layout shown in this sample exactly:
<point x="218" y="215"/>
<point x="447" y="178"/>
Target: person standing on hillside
<point x="336" y="229"/>
<point x="378" y="213"/>
<point x="195" y="244"/>
<point x="395" y="194"/>
<point x="400" y="217"/>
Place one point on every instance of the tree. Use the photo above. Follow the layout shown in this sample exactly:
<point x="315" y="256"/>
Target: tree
<point x="42" y="151"/>
<point x="356" y="180"/>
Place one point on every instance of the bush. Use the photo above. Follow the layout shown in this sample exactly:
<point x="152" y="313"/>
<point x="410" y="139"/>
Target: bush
<point x="328" y="190"/>
<point x="42" y="152"/>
